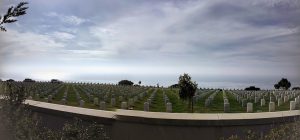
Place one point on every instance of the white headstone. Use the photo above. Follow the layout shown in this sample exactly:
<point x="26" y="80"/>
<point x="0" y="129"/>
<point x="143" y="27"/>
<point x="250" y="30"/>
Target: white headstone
<point x="81" y="103"/>
<point x="255" y="99"/>
<point x="249" y="107"/>
<point x="50" y="98"/>
<point x="29" y="98"/>
<point x="296" y="101"/>
<point x="226" y="101"/>
<point x="146" y="106"/>
<point x="124" y="105"/>
<point x="226" y="107"/>
<point x="96" y="101"/>
<point x="149" y="101"/>
<point x="169" y="107"/>
<point x="102" y="105"/>
<point x="63" y="101"/>
<point x="292" y="105"/>
<point x="271" y="99"/>
<point x="271" y="107"/>
<point x="285" y="99"/>
<point x="113" y="102"/>
<point x="207" y="102"/>
<point x="279" y="102"/>
<point x="262" y="102"/>
<point x="244" y="101"/>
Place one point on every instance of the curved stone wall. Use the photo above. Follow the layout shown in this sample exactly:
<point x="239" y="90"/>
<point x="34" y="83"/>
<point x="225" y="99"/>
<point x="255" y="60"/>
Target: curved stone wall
<point x="138" y="125"/>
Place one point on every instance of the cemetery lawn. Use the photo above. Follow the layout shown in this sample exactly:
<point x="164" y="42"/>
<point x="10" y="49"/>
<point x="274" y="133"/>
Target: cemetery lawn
<point x="107" y="92"/>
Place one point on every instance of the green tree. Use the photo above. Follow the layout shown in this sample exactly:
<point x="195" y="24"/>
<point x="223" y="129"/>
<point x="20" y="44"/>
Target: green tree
<point x="187" y="89"/>
<point x="252" y="88"/>
<point x="125" y="83"/>
<point x="12" y="13"/>
<point x="276" y="86"/>
<point x="296" y="88"/>
<point x="174" y="86"/>
<point x="283" y="83"/>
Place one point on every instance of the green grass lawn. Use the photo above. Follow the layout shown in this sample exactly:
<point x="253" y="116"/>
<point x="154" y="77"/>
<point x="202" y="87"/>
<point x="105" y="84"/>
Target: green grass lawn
<point x="158" y="104"/>
<point x="235" y="106"/>
<point x="60" y="94"/>
<point x="199" y="107"/>
<point x="139" y="105"/>
<point x="178" y="106"/>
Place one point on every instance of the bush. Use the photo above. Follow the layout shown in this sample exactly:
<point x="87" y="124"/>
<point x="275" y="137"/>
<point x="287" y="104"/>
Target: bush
<point x="125" y="83"/>
<point x="252" y="88"/>
<point x="288" y="131"/>
<point x="174" y="86"/>
<point x="22" y="124"/>
<point x="283" y="84"/>
<point x="296" y="88"/>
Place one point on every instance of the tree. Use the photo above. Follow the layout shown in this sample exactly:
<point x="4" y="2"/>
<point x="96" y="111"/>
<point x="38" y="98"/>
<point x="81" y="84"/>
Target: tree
<point x="283" y="83"/>
<point x="12" y="14"/>
<point x="252" y="88"/>
<point x="296" y="88"/>
<point x="174" y="86"/>
<point x="276" y="86"/>
<point x="125" y="83"/>
<point x="140" y="82"/>
<point x="56" y="81"/>
<point x="28" y="80"/>
<point x="187" y="89"/>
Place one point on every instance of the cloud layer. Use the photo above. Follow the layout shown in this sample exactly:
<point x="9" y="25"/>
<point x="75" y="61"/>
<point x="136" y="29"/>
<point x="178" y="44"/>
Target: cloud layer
<point x="233" y="40"/>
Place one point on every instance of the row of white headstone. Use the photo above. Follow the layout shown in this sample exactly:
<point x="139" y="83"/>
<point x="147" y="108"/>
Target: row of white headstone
<point x="210" y="99"/>
<point x="285" y="97"/>
<point x="200" y="94"/>
<point x="226" y="103"/>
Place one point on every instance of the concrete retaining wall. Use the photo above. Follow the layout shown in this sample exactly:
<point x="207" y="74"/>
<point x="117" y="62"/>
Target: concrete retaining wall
<point x="138" y="125"/>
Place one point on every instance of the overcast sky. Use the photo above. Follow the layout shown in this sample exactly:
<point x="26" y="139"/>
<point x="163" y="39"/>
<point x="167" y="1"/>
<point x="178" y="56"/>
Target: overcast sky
<point x="229" y="43"/>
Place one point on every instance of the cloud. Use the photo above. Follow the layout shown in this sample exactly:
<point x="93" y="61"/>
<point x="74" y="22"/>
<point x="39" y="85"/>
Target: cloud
<point x="258" y="13"/>
<point x="183" y="30"/>
<point x="210" y="34"/>
<point x="22" y="46"/>
<point x="62" y="36"/>
<point x="71" y="20"/>
<point x="257" y="38"/>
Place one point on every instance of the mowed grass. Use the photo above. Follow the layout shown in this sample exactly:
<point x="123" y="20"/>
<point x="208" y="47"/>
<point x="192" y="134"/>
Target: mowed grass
<point x="72" y="99"/>
<point x="139" y="105"/>
<point x="158" y="104"/>
<point x="82" y="94"/>
<point x="60" y="94"/>
<point x="199" y="107"/>
<point x="235" y="106"/>
<point x="178" y="106"/>
<point x="217" y="104"/>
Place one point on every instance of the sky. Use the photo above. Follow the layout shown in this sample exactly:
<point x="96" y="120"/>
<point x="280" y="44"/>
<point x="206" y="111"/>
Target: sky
<point x="220" y="43"/>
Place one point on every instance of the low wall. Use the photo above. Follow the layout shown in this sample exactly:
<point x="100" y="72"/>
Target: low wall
<point x="138" y="125"/>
